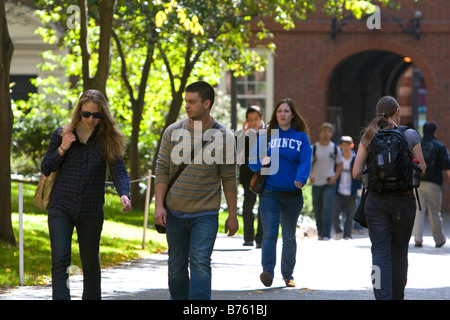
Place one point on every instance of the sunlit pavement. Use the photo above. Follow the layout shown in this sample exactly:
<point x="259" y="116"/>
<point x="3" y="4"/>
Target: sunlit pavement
<point x="325" y="270"/>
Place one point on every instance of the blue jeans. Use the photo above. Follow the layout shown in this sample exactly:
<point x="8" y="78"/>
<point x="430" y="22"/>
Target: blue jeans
<point x="191" y="242"/>
<point x="323" y="198"/>
<point x="89" y="229"/>
<point x="390" y="219"/>
<point x="276" y="207"/>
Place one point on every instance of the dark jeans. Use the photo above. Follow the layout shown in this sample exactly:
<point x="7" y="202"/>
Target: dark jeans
<point x="89" y="229"/>
<point x="390" y="219"/>
<point x="248" y="217"/>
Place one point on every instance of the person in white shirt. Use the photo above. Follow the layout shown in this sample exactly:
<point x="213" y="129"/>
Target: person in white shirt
<point x="326" y="166"/>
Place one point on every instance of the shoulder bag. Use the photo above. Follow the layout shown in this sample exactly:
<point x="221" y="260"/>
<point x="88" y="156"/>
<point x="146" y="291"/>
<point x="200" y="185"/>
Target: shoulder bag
<point x="257" y="182"/>
<point x="44" y="189"/>
<point x="360" y="216"/>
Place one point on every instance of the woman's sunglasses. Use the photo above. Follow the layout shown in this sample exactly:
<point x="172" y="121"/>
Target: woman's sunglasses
<point x="96" y="115"/>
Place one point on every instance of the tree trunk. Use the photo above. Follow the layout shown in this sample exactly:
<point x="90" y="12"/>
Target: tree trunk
<point x="177" y="95"/>
<point x="137" y="198"/>
<point x="6" y="122"/>
<point x="98" y="81"/>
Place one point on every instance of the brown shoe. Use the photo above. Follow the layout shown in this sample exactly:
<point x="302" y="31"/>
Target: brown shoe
<point x="290" y="283"/>
<point x="266" y="278"/>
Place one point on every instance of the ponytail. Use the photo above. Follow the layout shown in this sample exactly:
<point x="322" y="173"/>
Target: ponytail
<point x="386" y="108"/>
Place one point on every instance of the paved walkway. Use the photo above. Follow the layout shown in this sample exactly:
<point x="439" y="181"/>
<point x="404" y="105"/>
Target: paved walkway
<point x="325" y="270"/>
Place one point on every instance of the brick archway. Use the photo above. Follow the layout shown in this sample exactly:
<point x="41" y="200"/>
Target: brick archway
<point x="329" y="65"/>
<point x="348" y="103"/>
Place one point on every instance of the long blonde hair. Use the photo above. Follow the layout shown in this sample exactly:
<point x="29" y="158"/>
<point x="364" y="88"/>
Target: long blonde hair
<point x="112" y="139"/>
<point x="387" y="106"/>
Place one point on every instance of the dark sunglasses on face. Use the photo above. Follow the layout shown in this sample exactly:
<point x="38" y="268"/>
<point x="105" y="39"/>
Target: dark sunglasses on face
<point x="86" y="114"/>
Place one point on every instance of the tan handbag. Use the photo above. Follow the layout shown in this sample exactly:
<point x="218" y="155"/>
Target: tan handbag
<point x="43" y="190"/>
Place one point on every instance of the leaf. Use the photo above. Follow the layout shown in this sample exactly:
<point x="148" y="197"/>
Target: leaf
<point x="160" y="18"/>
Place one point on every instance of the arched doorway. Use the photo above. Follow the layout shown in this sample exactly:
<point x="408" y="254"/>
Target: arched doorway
<point x="360" y="80"/>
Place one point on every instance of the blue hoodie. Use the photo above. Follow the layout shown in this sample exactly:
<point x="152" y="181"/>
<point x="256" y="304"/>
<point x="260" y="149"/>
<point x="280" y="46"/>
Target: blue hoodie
<point x="294" y="159"/>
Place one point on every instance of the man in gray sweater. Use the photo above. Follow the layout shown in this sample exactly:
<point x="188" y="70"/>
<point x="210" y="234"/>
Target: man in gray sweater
<point x="192" y="203"/>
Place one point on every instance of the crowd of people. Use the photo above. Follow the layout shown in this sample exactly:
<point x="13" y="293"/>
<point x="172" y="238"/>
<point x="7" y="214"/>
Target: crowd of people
<point x="187" y="201"/>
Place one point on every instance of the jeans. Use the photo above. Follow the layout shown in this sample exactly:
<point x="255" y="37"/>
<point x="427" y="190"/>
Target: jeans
<point x="276" y="206"/>
<point x="390" y="219"/>
<point x="323" y="197"/>
<point x="191" y="242"/>
<point x="89" y="229"/>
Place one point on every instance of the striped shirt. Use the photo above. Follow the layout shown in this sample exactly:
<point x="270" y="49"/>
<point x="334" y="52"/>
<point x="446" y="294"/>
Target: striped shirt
<point x="199" y="187"/>
<point x="80" y="185"/>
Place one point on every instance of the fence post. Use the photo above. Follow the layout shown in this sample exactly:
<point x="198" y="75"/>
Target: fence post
<point x="147" y="204"/>
<point x="21" y="234"/>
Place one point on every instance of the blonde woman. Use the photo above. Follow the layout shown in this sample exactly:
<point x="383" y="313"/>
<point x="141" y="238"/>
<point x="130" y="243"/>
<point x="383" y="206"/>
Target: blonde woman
<point x="80" y="151"/>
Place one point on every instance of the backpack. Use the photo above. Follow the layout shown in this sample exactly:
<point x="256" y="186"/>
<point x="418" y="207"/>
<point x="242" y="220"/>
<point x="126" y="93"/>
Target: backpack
<point x="390" y="166"/>
<point x="429" y="150"/>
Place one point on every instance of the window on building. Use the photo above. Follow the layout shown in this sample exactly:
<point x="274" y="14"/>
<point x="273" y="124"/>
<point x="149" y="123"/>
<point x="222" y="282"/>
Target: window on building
<point x="252" y="90"/>
<point x="256" y="88"/>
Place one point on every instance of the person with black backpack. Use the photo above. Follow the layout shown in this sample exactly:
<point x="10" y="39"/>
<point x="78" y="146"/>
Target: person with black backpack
<point x="386" y="162"/>
<point x="437" y="158"/>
